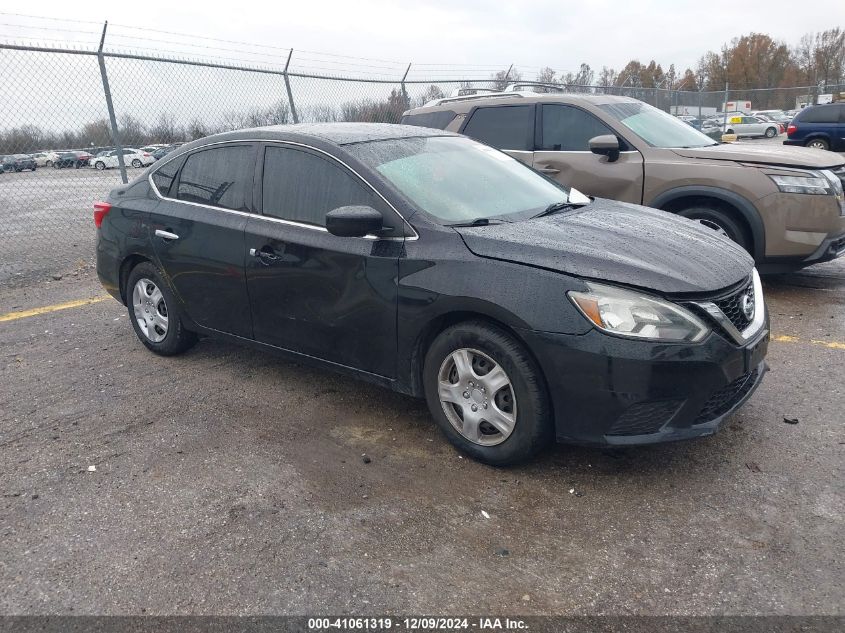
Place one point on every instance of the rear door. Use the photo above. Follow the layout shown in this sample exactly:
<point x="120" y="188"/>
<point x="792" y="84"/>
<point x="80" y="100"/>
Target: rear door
<point x="198" y="233"/>
<point x="509" y="128"/>
<point x="563" y="152"/>
<point x="311" y="292"/>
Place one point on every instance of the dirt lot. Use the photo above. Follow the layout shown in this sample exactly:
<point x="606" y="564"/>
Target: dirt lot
<point x="230" y="482"/>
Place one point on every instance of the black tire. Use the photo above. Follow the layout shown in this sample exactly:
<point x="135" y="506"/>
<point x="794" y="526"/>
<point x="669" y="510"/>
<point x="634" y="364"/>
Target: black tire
<point x="771" y="132"/>
<point x="722" y="220"/>
<point x="49" y="163"/>
<point x="100" y="165"/>
<point x="136" y="163"/>
<point x="818" y="143"/>
<point x="177" y="339"/>
<point x="533" y="425"/>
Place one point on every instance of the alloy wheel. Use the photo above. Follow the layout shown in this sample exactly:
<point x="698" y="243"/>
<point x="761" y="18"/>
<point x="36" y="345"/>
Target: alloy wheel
<point x="477" y="397"/>
<point x="817" y="144"/>
<point x="150" y="310"/>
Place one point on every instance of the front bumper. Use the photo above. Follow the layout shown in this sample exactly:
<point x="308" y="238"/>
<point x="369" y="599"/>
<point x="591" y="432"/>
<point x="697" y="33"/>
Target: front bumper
<point x="609" y="390"/>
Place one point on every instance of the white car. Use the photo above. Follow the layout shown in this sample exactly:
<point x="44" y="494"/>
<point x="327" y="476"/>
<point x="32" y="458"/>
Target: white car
<point x="45" y="159"/>
<point x="751" y="126"/>
<point x="131" y="158"/>
<point x="778" y="116"/>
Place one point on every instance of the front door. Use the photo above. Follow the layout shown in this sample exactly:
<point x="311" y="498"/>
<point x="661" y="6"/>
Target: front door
<point x="198" y="233"/>
<point x="330" y="297"/>
<point x="563" y="153"/>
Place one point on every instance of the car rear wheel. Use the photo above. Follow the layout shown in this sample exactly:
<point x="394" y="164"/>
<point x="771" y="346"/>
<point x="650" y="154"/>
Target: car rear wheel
<point x="136" y="163"/>
<point x="154" y="312"/>
<point x="100" y="165"/>
<point x="721" y="221"/>
<point x="771" y="132"/>
<point x="818" y="143"/>
<point x="487" y="394"/>
<point x="49" y="163"/>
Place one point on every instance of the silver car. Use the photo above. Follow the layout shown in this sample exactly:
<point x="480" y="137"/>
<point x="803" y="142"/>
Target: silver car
<point x="744" y="125"/>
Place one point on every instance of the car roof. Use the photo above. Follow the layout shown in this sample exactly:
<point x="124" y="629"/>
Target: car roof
<point x="333" y="133"/>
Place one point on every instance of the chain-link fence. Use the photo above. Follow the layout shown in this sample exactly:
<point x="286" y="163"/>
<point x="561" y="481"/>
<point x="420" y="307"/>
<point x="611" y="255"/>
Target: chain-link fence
<point x="71" y="120"/>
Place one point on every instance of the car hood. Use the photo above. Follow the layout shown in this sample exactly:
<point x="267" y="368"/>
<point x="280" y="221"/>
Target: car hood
<point x="783" y="155"/>
<point x="621" y="243"/>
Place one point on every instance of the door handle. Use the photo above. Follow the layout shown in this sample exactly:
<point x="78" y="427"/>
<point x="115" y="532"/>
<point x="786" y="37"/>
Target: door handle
<point x="266" y="254"/>
<point x="549" y="170"/>
<point x="166" y="235"/>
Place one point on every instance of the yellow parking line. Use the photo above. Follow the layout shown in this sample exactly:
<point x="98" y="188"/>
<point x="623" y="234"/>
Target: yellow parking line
<point x="784" y="338"/>
<point x="14" y="316"/>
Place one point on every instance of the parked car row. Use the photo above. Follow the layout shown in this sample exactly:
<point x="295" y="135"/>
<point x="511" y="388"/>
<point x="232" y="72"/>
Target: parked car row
<point x="485" y="281"/>
<point x="98" y="158"/>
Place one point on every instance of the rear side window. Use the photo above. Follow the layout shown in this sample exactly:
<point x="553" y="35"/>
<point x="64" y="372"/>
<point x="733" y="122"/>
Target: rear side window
<point x="503" y="127"/>
<point x="820" y="114"/>
<point x="164" y="175"/>
<point x="569" y="129"/>
<point x="218" y="177"/>
<point x="438" y="120"/>
<point x="302" y="187"/>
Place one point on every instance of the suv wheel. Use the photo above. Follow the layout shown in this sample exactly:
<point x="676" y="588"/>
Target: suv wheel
<point x="818" y="143"/>
<point x="154" y="312"/>
<point x="721" y="221"/>
<point x="487" y="394"/>
<point x="771" y="132"/>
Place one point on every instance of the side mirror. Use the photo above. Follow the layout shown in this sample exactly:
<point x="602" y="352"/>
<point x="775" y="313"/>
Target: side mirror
<point x="354" y="221"/>
<point x="605" y="145"/>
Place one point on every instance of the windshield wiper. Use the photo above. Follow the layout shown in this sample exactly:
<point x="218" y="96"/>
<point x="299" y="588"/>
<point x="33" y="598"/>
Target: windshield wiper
<point x="554" y="207"/>
<point x="479" y="222"/>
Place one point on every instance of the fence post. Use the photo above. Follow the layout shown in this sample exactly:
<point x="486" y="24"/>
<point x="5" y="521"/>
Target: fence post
<point x="404" y="90"/>
<point x="115" y="135"/>
<point x="725" y="108"/>
<point x="290" y="94"/>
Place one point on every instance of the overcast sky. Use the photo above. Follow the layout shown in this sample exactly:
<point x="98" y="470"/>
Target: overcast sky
<point x="559" y="33"/>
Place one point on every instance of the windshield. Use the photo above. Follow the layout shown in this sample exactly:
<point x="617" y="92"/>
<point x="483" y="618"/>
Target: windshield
<point x="455" y="179"/>
<point x="655" y="127"/>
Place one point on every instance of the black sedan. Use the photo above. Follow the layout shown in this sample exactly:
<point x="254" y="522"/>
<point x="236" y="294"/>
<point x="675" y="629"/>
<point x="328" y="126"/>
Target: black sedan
<point x="423" y="261"/>
<point x="19" y="162"/>
<point x="72" y="159"/>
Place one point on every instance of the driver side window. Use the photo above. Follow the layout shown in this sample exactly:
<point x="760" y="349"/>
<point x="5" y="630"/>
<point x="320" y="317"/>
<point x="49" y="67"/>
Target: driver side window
<point x="569" y="129"/>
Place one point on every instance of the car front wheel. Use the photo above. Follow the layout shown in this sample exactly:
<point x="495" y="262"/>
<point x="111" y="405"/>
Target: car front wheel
<point x="818" y="143"/>
<point x="721" y="221"/>
<point x="49" y="163"/>
<point x="154" y="312"/>
<point x="487" y="394"/>
<point x="100" y="165"/>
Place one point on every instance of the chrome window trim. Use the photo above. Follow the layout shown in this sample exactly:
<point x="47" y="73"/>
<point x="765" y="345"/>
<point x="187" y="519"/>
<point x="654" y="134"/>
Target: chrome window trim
<point x="756" y="323"/>
<point x="304" y="225"/>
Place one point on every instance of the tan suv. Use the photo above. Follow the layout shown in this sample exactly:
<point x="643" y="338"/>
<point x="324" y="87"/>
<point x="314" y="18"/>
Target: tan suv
<point x="783" y="204"/>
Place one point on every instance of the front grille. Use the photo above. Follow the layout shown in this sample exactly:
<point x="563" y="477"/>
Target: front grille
<point x="732" y="306"/>
<point x="726" y="398"/>
<point x="645" y="417"/>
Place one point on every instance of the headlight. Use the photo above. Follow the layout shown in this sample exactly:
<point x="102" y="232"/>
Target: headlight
<point x="813" y="182"/>
<point x="631" y="314"/>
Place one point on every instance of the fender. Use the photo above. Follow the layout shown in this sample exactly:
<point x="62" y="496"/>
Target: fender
<point x="743" y="205"/>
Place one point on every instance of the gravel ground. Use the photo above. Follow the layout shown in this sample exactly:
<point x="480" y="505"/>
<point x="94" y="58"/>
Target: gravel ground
<point x="227" y="481"/>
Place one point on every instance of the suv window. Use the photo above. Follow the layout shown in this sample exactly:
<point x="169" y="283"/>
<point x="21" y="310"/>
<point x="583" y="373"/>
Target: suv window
<point x="439" y="119"/>
<point x="504" y="127"/>
<point x="217" y="177"/>
<point x="303" y="187"/>
<point x="821" y="114"/>
<point x="566" y="128"/>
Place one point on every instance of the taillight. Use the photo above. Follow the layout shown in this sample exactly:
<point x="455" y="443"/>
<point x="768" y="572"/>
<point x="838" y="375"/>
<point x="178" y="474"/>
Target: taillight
<point x="101" y="210"/>
<point x="791" y="129"/>
<point x="147" y="154"/>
